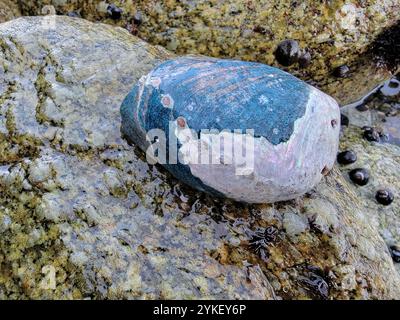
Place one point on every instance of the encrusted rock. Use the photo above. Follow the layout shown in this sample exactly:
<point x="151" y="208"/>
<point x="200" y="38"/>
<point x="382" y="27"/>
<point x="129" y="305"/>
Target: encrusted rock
<point x="382" y="161"/>
<point x="335" y="33"/>
<point x="159" y="239"/>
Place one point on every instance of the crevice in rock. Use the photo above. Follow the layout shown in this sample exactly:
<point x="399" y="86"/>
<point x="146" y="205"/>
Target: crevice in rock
<point x="386" y="48"/>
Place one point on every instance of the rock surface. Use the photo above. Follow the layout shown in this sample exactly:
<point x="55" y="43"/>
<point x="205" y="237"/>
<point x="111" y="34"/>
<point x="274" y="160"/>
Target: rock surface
<point x="380" y="110"/>
<point x="381" y="159"/>
<point x="83" y="216"/>
<point x="333" y="33"/>
<point x="9" y="9"/>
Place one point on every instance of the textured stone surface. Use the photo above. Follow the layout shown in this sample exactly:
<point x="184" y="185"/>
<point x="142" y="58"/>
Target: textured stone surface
<point x="334" y="33"/>
<point x="382" y="160"/>
<point x="189" y="97"/>
<point x="381" y="110"/>
<point x="9" y="9"/>
<point x="83" y="216"/>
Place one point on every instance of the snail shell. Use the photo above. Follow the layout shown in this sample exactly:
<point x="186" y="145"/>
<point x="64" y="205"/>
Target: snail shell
<point x="294" y="127"/>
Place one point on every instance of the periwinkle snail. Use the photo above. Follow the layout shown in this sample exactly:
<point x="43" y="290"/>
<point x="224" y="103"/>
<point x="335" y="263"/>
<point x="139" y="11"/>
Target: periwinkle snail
<point x="242" y="130"/>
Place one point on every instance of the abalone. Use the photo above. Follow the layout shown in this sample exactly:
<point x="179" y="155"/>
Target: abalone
<point x="242" y="130"/>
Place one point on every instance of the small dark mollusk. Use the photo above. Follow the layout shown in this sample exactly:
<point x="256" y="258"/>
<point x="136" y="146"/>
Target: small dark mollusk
<point x="347" y="157"/>
<point x="114" y="12"/>
<point x="359" y="176"/>
<point x="374" y="135"/>
<point x="371" y="134"/>
<point x="395" y="252"/>
<point x="384" y="197"/>
<point x="288" y="52"/>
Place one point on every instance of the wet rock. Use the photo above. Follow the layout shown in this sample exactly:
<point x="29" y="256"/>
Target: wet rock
<point x="158" y="239"/>
<point x="386" y="48"/>
<point x="295" y="224"/>
<point x="315" y="281"/>
<point x="335" y="33"/>
<point x="261" y="239"/>
<point x="382" y="161"/>
<point x="378" y="112"/>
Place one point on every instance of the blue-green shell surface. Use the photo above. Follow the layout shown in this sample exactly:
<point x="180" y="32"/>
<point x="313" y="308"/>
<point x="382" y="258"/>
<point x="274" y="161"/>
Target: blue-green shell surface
<point x="295" y="126"/>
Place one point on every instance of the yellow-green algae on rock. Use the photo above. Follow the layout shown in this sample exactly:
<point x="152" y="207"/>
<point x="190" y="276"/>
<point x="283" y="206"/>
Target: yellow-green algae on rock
<point x="334" y="32"/>
<point x="83" y="216"/>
